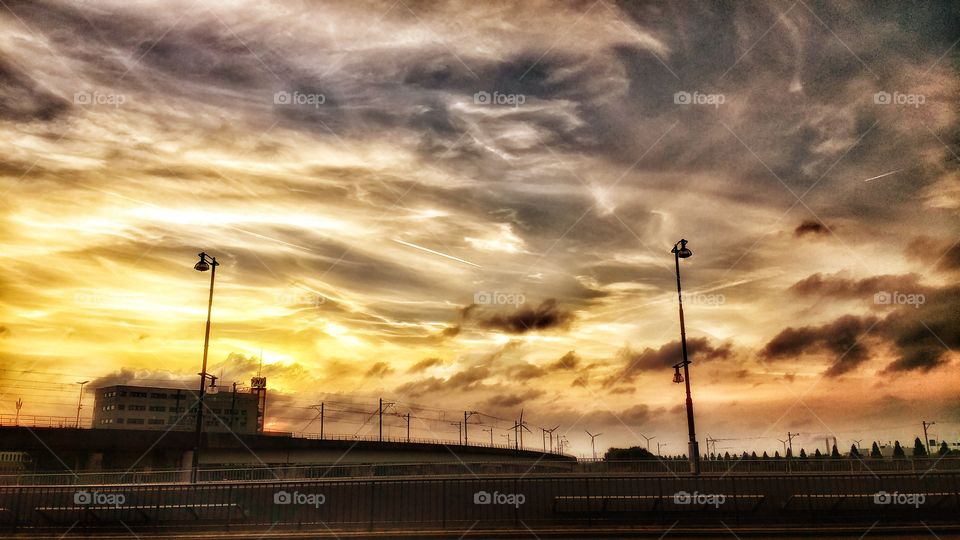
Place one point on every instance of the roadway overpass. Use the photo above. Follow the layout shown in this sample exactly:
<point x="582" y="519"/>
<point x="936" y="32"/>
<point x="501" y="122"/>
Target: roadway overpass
<point x="69" y="449"/>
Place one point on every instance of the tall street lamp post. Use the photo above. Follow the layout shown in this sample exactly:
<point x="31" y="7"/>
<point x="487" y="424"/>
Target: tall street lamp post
<point x="680" y="251"/>
<point x="205" y="263"/>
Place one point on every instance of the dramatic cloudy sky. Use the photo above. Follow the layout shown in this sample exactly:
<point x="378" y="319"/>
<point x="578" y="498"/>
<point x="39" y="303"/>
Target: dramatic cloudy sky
<point x="470" y="205"/>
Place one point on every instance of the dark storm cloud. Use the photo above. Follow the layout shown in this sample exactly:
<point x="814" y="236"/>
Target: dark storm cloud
<point x="379" y="370"/>
<point x="840" y="287"/>
<point x="925" y="335"/>
<point x="468" y="379"/>
<point x="424" y="364"/>
<point x="570" y="360"/>
<point x="546" y="316"/>
<point x="636" y="362"/>
<point x="23" y="99"/>
<point x="944" y="254"/>
<point x="810" y="227"/>
<point x="842" y="338"/>
<point x="507" y="403"/>
<point x="922" y="332"/>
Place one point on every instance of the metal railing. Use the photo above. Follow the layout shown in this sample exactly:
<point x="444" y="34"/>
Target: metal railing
<point x="667" y="468"/>
<point x="509" y="501"/>
<point x="30" y="420"/>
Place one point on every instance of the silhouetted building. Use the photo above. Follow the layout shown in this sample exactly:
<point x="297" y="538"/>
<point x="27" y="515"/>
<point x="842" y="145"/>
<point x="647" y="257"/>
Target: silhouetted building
<point x="150" y="407"/>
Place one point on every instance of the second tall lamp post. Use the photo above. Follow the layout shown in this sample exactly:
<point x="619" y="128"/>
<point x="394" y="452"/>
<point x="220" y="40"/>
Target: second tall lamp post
<point x="680" y="251"/>
<point x="205" y="263"/>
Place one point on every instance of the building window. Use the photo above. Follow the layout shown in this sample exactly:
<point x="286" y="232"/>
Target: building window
<point x="138" y="407"/>
<point x="157" y="395"/>
<point x="155" y="421"/>
<point x="158" y="408"/>
<point x="134" y="420"/>
<point x="119" y="420"/>
<point x="138" y="394"/>
<point x="121" y="407"/>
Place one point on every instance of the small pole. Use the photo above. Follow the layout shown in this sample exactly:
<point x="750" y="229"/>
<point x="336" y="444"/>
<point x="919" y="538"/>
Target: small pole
<point x="80" y="401"/>
<point x="926" y="439"/>
<point x="321" y="420"/>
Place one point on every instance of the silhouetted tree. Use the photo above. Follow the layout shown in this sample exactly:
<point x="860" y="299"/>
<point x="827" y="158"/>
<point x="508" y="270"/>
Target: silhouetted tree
<point x="817" y="454"/>
<point x="713" y="456"/>
<point x="898" y="450"/>
<point x="919" y="450"/>
<point x="803" y="454"/>
<point x="753" y="455"/>
<point x="875" y="450"/>
<point x="634" y="453"/>
<point x="789" y="453"/>
<point x="835" y="454"/>
<point x="854" y="451"/>
<point x="726" y="456"/>
<point x="765" y="455"/>
<point x="944" y="449"/>
<point x="776" y="455"/>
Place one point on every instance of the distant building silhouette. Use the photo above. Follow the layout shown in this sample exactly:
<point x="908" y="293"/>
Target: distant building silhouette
<point x="159" y="408"/>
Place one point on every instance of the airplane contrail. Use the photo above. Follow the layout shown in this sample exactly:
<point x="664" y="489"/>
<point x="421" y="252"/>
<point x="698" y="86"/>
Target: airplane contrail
<point x="421" y="248"/>
<point x="882" y="175"/>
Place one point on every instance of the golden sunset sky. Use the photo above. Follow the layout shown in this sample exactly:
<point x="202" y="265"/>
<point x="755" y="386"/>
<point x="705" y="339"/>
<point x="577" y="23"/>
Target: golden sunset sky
<point x="470" y="206"/>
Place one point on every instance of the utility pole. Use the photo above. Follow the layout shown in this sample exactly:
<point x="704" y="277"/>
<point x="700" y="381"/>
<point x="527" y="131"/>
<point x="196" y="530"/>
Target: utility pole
<point x="321" y="420"/>
<point x="466" y="416"/>
<point x="233" y="405"/>
<point x="507" y="437"/>
<point x="658" y="447"/>
<point x="459" y="431"/>
<point x="80" y="401"/>
<point x="408" y="427"/>
<point x="381" y="417"/>
<point x="790" y="437"/>
<point x="16" y="422"/>
<point x="926" y="439"/>
<point x="490" y="431"/>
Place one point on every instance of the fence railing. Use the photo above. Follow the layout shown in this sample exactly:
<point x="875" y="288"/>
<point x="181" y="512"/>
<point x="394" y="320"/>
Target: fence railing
<point x="669" y="468"/>
<point x="475" y="502"/>
<point x="30" y="420"/>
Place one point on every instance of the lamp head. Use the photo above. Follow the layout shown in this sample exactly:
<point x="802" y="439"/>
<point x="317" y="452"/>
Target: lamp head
<point x="680" y="248"/>
<point x="677" y="377"/>
<point x="202" y="265"/>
